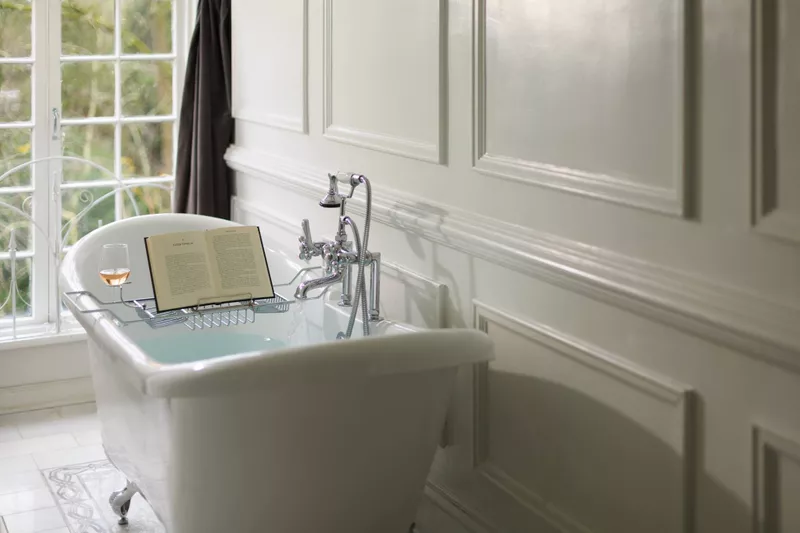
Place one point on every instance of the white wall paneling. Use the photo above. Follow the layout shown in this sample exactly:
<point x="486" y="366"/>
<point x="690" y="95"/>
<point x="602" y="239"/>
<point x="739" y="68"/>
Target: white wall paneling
<point x="385" y="76"/>
<point x="47" y="394"/>
<point x="612" y="197"/>
<point x="776" y="199"/>
<point x="748" y="322"/>
<point x="551" y="403"/>
<point x="570" y="95"/>
<point x="777" y="482"/>
<point x="39" y="376"/>
<point x="271" y="37"/>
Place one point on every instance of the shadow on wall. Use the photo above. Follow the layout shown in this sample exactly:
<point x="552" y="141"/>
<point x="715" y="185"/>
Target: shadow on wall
<point x="581" y="462"/>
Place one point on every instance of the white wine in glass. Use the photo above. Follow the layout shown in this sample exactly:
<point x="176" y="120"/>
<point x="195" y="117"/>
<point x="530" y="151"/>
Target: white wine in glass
<point x="114" y="264"/>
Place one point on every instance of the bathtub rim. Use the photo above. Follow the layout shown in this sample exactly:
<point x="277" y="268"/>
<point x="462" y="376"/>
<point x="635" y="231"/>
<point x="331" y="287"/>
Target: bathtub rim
<point x="352" y="359"/>
<point x="454" y="347"/>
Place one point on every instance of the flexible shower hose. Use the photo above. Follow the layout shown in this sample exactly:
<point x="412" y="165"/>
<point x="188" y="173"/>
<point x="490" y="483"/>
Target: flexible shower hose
<point x="361" y="248"/>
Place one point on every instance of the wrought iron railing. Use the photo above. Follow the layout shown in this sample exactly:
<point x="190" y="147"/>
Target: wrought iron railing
<point x="56" y="240"/>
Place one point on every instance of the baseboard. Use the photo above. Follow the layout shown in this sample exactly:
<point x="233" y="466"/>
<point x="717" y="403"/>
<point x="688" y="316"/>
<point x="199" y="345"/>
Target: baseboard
<point x="438" y="513"/>
<point x="44" y="395"/>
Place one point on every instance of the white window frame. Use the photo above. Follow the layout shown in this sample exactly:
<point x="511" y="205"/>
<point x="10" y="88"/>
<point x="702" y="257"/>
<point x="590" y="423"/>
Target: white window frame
<point x="46" y="140"/>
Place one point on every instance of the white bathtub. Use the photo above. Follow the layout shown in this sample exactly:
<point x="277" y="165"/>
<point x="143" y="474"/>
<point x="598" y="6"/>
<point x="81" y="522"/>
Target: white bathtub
<point x="267" y="427"/>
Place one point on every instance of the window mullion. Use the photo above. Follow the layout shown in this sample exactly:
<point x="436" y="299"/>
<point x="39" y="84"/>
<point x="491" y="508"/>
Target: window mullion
<point x="41" y="148"/>
<point x="118" y="104"/>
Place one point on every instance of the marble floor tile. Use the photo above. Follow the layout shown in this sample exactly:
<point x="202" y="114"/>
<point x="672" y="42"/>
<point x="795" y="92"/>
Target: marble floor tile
<point x="13" y="465"/>
<point x="21" y="481"/>
<point x="70" y="419"/>
<point x="28" y="500"/>
<point x="88" y="438"/>
<point x="29" y="417"/>
<point x="34" y="521"/>
<point x="37" y="445"/>
<point x="32" y="424"/>
<point x="8" y="433"/>
<point x="72" y="456"/>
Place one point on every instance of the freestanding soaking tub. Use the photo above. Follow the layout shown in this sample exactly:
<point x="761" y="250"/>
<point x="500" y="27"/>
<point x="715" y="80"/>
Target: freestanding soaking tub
<point x="270" y="426"/>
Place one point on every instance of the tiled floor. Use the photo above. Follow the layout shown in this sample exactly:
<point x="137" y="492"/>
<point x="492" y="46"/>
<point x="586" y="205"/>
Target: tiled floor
<point x="32" y="442"/>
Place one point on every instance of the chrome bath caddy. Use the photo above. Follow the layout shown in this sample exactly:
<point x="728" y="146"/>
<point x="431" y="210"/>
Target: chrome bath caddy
<point x="204" y="316"/>
<point x="201" y="316"/>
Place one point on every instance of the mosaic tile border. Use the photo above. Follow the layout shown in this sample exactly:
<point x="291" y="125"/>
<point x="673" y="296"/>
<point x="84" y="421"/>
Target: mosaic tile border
<point x="82" y="491"/>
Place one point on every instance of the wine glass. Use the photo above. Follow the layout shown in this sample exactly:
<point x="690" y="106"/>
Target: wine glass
<point x="115" y="266"/>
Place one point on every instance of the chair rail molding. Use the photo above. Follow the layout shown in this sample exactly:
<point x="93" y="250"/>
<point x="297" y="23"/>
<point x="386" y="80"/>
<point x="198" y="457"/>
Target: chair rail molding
<point x="747" y="322"/>
<point x="410" y="148"/>
<point x="661" y="389"/>
<point x="282" y="121"/>
<point x="675" y="200"/>
<point x="769" y="216"/>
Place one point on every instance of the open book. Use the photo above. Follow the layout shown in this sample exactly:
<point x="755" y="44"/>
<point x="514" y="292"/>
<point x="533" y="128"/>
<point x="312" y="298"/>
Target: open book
<point x="205" y="267"/>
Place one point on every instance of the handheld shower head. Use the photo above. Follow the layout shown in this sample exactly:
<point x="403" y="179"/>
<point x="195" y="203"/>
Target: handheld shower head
<point x="332" y="198"/>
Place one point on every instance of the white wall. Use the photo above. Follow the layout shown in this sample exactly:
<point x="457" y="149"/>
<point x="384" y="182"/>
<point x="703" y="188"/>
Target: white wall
<point x="39" y="375"/>
<point x="609" y="190"/>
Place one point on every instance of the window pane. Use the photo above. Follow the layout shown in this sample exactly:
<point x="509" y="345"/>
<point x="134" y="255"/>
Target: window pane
<point x="15" y="20"/>
<point x="73" y="201"/>
<point x="150" y="200"/>
<point x="146" y="88"/>
<point x="15" y="93"/>
<point x="24" y="284"/>
<point x="87" y="27"/>
<point x="15" y="149"/>
<point x="94" y="142"/>
<point x="13" y="220"/>
<point x="147" y="150"/>
<point x="146" y="26"/>
<point x="87" y="89"/>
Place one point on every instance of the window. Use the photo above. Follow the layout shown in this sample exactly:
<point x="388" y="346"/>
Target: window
<point x="96" y="81"/>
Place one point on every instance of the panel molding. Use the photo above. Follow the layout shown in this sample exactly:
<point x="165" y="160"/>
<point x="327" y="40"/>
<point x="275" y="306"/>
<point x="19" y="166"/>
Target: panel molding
<point x="767" y="216"/>
<point x="286" y="122"/>
<point x="674" y="200"/>
<point x="658" y="387"/>
<point x="281" y="122"/>
<point x="747" y="322"/>
<point x="410" y="148"/>
<point x="768" y="444"/>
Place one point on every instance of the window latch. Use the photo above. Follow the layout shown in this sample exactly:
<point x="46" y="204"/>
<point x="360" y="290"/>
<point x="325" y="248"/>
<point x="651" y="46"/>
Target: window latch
<point x="56" y="123"/>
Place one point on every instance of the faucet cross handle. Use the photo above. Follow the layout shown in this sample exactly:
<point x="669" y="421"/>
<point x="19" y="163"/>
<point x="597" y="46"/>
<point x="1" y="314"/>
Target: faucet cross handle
<point x="306" y="232"/>
<point x="309" y="248"/>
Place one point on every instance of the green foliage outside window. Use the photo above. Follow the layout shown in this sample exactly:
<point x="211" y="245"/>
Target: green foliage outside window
<point x="88" y="91"/>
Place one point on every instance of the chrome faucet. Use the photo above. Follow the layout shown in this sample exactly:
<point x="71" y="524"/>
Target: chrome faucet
<point x="339" y="255"/>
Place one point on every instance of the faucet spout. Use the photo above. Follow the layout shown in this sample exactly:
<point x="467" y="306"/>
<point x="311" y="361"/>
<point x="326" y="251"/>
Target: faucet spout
<point x="309" y="285"/>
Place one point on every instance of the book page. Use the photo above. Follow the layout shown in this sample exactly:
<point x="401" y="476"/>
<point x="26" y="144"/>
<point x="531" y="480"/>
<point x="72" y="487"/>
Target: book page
<point x="238" y="263"/>
<point x="179" y="266"/>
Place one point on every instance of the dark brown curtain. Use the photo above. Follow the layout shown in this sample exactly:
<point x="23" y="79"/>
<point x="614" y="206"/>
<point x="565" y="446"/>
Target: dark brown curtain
<point x="202" y="179"/>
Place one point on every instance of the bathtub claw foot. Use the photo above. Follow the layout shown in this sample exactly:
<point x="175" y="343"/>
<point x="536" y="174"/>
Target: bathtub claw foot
<point x="120" y="502"/>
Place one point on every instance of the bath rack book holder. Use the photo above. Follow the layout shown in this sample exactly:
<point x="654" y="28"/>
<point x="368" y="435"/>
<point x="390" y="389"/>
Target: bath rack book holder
<point x="197" y="317"/>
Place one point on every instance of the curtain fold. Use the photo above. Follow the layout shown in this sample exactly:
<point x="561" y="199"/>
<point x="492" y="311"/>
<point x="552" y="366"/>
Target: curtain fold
<point x="202" y="179"/>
